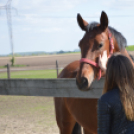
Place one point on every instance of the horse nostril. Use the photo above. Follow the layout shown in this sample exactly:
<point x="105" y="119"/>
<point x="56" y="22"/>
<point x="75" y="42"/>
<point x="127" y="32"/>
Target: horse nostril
<point x="79" y="84"/>
<point x="84" y="82"/>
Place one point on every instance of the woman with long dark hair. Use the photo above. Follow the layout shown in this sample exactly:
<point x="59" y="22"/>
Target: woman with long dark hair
<point x="116" y="105"/>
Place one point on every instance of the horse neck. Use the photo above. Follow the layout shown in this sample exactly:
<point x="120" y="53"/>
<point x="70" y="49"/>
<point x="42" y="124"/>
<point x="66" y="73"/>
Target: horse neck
<point x="123" y="51"/>
<point x="116" y="46"/>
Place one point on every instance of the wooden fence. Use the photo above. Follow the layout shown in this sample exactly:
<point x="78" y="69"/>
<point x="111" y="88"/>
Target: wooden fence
<point x="62" y="87"/>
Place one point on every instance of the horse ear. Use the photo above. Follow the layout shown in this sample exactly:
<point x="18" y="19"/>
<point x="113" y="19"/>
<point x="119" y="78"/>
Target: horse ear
<point x="82" y="23"/>
<point x="103" y="21"/>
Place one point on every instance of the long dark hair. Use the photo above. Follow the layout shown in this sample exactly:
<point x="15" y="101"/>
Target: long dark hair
<point x="120" y="73"/>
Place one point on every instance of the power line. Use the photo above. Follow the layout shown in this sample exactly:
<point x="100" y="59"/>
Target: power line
<point x="49" y="16"/>
<point x="8" y="9"/>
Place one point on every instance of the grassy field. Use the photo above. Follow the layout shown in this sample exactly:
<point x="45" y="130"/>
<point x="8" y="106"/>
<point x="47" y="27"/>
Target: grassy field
<point x="130" y="48"/>
<point x="31" y="74"/>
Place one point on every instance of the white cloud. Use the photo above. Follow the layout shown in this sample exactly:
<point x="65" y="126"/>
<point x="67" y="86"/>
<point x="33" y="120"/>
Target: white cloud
<point x="46" y="5"/>
<point x="119" y="4"/>
<point x="3" y="2"/>
<point x="35" y="12"/>
<point x="47" y="25"/>
<point x="3" y="37"/>
<point x="26" y="29"/>
<point x="42" y="7"/>
<point x="51" y="30"/>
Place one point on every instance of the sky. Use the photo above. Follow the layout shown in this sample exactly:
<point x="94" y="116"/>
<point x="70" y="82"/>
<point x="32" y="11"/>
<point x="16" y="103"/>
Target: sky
<point x="51" y="25"/>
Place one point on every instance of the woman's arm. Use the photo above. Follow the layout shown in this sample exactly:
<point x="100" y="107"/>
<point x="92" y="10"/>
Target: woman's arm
<point x="104" y="117"/>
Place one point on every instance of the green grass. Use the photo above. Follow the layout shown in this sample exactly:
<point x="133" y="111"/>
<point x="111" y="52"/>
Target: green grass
<point x="19" y="66"/>
<point x="130" y="48"/>
<point x="3" y="66"/>
<point x="69" y="53"/>
<point x="13" y="66"/>
<point x="31" y="74"/>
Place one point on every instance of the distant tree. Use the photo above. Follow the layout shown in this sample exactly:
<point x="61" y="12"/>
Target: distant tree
<point x="60" y="52"/>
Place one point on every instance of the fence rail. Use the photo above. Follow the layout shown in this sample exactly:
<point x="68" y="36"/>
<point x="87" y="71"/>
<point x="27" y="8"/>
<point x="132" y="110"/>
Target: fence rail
<point x="62" y="87"/>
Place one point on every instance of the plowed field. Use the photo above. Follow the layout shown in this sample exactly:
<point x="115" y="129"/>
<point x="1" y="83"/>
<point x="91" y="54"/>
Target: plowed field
<point x="40" y="62"/>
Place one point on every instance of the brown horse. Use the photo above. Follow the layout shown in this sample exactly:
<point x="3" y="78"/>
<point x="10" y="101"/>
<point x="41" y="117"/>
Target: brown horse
<point x="84" y="111"/>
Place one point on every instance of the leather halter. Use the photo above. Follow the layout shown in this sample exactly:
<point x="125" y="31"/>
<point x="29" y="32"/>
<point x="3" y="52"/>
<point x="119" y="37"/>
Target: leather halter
<point x="85" y="60"/>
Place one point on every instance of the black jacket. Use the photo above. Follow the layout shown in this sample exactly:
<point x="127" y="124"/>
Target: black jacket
<point x="111" y="115"/>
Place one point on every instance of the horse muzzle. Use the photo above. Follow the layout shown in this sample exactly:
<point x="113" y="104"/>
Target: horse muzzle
<point x="83" y="83"/>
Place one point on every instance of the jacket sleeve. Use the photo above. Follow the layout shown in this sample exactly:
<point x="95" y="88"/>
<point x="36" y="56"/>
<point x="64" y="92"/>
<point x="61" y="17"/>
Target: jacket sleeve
<point x="104" y="117"/>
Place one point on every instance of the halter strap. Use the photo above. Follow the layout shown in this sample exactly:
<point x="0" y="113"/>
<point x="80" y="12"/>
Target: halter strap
<point x="110" y="42"/>
<point x="89" y="61"/>
<point x="92" y="63"/>
<point x="85" y="60"/>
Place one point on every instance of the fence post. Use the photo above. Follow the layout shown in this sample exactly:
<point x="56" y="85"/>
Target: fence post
<point x="8" y="71"/>
<point x="57" y="68"/>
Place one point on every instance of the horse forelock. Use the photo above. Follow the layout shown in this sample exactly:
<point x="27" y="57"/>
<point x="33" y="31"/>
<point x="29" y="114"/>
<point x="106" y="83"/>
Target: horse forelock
<point x="121" y="40"/>
<point x="92" y="25"/>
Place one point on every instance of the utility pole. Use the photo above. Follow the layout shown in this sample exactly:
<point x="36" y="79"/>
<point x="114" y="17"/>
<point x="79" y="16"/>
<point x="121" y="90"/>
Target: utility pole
<point x="8" y="9"/>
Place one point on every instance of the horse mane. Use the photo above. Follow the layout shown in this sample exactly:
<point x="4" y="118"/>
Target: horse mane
<point x="121" y="40"/>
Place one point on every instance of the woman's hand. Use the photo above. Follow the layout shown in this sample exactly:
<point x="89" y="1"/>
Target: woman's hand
<point x="103" y="61"/>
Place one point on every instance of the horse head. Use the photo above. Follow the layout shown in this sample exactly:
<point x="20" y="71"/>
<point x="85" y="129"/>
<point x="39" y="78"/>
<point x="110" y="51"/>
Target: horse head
<point x="95" y="40"/>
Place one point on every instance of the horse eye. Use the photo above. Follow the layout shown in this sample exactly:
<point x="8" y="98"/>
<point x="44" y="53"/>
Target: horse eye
<point x="100" y="45"/>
